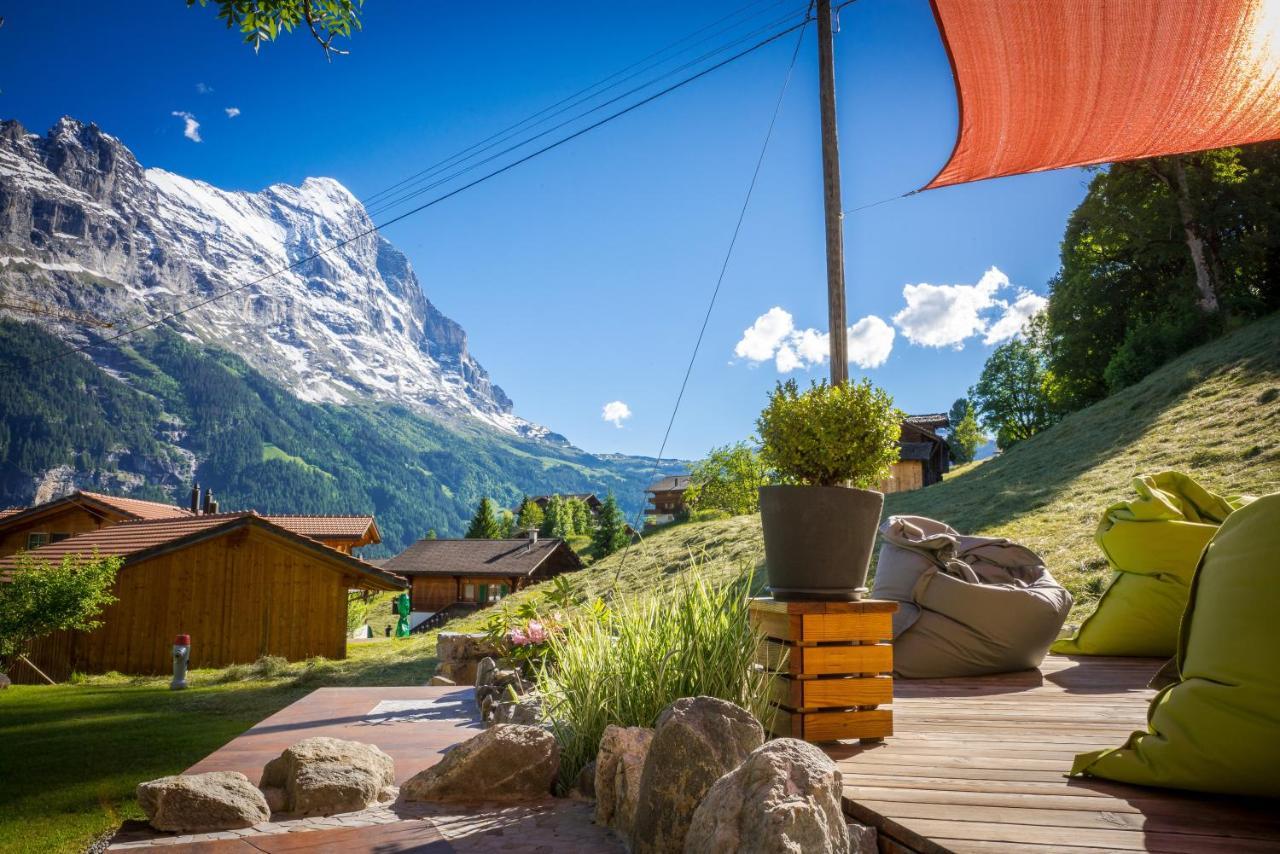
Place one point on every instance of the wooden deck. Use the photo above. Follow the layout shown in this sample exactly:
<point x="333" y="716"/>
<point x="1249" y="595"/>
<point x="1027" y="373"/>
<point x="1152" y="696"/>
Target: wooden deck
<point x="978" y="765"/>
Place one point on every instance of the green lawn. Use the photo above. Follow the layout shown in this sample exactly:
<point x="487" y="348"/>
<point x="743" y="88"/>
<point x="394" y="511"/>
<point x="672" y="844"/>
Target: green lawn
<point x="70" y="755"/>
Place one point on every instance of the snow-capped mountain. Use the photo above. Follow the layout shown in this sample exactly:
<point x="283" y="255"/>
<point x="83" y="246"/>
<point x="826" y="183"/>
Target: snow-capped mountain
<point x="86" y="229"/>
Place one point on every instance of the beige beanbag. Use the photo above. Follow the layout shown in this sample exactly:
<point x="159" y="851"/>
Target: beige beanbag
<point x="969" y="605"/>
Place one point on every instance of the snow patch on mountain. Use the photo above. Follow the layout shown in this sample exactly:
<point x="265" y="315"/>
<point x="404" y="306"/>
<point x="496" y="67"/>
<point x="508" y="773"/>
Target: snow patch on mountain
<point x="313" y="297"/>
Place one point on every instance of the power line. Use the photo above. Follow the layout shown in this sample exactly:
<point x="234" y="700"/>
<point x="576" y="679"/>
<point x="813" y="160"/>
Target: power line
<point x="581" y="92"/>
<point x="435" y="201"/>
<point x="388" y="205"/>
<point x="715" y="292"/>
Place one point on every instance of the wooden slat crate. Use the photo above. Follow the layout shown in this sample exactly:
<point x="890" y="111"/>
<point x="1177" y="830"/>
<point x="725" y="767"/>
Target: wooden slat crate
<point x="833" y="662"/>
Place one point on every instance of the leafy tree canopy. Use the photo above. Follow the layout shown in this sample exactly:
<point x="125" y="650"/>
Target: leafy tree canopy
<point x="1012" y="394"/>
<point x="966" y="435"/>
<point x="728" y="480"/>
<point x="611" y="528"/>
<point x="530" y="516"/>
<point x="263" y="20"/>
<point x="42" y="598"/>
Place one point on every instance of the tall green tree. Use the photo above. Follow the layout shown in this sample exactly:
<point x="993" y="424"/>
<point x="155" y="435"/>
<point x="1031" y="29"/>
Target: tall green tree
<point x="42" y="597"/>
<point x="729" y="479"/>
<point x="582" y="516"/>
<point x="530" y="516"/>
<point x="263" y="20"/>
<point x="1160" y="256"/>
<point x="506" y="523"/>
<point x="611" y="528"/>
<point x="966" y="435"/>
<point x="484" y="525"/>
<point x="1013" y="393"/>
<point x="956" y="413"/>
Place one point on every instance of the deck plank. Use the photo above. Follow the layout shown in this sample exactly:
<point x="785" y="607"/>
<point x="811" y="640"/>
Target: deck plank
<point x="979" y="765"/>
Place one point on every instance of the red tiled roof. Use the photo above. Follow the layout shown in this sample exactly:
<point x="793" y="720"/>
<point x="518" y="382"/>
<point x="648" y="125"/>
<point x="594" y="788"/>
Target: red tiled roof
<point x="133" y="539"/>
<point x="137" y="507"/>
<point x="479" y="557"/>
<point x="329" y="527"/>
<point x="130" y="508"/>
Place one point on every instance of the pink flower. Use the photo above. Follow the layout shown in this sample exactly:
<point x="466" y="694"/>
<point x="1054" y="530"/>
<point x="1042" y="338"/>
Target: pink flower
<point x="517" y="637"/>
<point x="537" y="632"/>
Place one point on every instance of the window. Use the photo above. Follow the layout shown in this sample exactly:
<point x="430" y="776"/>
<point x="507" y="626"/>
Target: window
<point x="468" y="593"/>
<point x="36" y="540"/>
<point x="57" y="538"/>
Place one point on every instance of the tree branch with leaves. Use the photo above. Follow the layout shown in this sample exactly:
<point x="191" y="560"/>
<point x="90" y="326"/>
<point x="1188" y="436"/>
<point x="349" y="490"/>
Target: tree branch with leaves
<point x="264" y="20"/>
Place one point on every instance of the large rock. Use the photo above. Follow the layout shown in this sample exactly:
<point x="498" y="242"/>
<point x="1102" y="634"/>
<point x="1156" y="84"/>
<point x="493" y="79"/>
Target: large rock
<point x="459" y="653"/>
<point x="784" y="798"/>
<point x="202" y="803"/>
<point x="696" y="742"/>
<point x="4" y="682"/>
<point x="526" y="710"/>
<point x="619" y="766"/>
<point x="506" y="762"/>
<point x="324" y="776"/>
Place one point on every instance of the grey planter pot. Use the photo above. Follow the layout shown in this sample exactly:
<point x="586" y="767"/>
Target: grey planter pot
<point x="818" y="540"/>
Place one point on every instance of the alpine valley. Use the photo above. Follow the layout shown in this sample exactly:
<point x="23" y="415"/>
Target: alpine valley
<point x="334" y="386"/>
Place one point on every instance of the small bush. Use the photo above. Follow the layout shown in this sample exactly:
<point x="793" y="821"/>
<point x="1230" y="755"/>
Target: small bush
<point x="830" y="435"/>
<point x="625" y="664"/>
<point x="711" y="514"/>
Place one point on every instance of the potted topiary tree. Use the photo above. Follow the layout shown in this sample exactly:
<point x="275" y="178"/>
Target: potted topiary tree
<point x="829" y="446"/>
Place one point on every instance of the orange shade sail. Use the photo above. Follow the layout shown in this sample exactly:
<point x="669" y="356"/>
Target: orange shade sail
<point x="1045" y="84"/>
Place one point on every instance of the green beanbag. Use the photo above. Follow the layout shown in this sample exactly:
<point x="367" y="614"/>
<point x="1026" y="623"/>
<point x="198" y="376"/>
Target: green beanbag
<point x="1153" y="543"/>
<point x="1218" y="728"/>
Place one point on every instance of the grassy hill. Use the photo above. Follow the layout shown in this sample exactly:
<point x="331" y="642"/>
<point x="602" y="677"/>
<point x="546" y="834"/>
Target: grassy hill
<point x="1213" y="413"/>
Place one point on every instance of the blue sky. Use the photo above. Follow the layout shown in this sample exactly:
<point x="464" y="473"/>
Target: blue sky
<point x="582" y="277"/>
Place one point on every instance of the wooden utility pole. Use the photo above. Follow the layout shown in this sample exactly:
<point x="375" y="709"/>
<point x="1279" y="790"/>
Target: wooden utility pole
<point x="836" y="315"/>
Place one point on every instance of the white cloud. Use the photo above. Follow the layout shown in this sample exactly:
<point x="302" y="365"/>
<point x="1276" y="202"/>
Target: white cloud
<point x="774" y="336"/>
<point x="231" y="112"/>
<point x="761" y="340"/>
<point x="204" y="88"/>
<point x="945" y="315"/>
<point x="870" y="342"/>
<point x="1015" y="317"/>
<point x="192" y="127"/>
<point x="615" y="412"/>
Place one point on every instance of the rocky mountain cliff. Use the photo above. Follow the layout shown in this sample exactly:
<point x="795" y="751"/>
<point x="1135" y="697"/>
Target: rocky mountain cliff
<point x="85" y="228"/>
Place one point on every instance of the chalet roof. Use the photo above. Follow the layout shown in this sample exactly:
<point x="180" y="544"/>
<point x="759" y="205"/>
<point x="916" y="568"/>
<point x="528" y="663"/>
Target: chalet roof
<point x="670" y="483"/>
<point x="139" y="540"/>
<point x="934" y="421"/>
<point x="502" y="558"/>
<point x="343" y="527"/>
<point x="588" y="497"/>
<point x="130" y="508"/>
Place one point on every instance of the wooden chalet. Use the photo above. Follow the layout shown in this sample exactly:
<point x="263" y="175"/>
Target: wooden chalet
<point x="449" y="577"/>
<point x="923" y="456"/>
<point x="23" y="528"/>
<point x="666" y="498"/>
<point x="588" y="498"/>
<point x="239" y="584"/>
<point x="343" y="533"/>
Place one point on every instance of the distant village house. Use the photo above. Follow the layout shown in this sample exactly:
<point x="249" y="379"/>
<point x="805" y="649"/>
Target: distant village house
<point x="666" y="499"/>
<point x="453" y="577"/>
<point x="923" y="456"/>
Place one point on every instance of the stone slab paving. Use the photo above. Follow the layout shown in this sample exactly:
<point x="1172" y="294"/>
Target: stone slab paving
<point x="415" y="726"/>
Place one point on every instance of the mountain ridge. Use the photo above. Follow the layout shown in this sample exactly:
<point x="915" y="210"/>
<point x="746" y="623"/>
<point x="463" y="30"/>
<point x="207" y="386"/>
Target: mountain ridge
<point x="294" y="278"/>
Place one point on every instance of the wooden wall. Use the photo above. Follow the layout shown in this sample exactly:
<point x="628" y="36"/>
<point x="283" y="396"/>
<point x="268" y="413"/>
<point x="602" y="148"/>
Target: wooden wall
<point x="904" y="477"/>
<point x="435" y="592"/>
<point x="240" y="596"/>
<point x="72" y="520"/>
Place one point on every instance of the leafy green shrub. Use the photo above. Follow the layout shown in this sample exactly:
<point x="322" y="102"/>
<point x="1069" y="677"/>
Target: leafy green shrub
<point x="830" y="435"/>
<point x="729" y="479"/>
<point x="40" y="598"/>
<point x="357" y="613"/>
<point x="625" y="663"/>
<point x="711" y="514"/>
